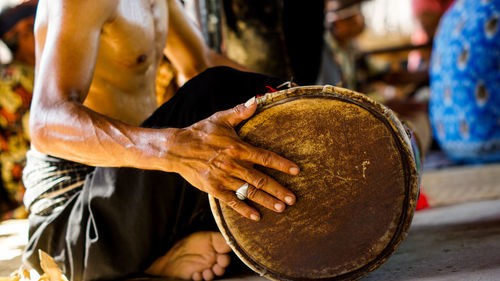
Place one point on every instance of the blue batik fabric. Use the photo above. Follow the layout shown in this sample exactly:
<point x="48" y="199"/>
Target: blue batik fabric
<point x="465" y="82"/>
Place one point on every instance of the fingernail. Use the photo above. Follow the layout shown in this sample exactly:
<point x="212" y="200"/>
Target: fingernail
<point x="294" y="170"/>
<point x="250" y="102"/>
<point x="279" y="207"/>
<point x="289" y="199"/>
<point x="254" y="217"/>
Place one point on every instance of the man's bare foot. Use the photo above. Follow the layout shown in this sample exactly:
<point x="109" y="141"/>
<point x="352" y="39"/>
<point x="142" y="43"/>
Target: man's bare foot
<point x="200" y="256"/>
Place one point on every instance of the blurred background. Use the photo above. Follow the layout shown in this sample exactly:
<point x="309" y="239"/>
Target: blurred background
<point x="436" y="63"/>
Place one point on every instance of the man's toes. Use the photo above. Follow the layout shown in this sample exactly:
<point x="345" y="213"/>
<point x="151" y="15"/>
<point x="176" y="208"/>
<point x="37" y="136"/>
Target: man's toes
<point x="223" y="260"/>
<point x="218" y="270"/>
<point x="219" y="243"/>
<point x="208" y="274"/>
<point x="197" y="276"/>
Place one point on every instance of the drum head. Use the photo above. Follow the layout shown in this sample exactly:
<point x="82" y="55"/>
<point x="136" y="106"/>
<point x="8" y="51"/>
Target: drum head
<point x="356" y="191"/>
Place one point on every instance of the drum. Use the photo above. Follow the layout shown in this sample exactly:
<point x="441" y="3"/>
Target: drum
<point x="356" y="192"/>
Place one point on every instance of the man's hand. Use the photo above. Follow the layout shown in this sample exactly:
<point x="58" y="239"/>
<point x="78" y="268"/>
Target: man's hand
<point x="214" y="159"/>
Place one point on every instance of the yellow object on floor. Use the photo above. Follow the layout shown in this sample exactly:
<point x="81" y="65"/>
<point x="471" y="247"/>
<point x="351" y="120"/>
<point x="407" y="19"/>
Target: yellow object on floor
<point x="51" y="271"/>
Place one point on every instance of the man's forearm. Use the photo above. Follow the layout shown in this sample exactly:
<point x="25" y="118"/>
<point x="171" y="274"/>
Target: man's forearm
<point x="74" y="132"/>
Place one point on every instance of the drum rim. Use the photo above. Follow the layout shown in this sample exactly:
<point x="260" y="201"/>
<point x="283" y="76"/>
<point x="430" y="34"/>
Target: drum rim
<point x="381" y="112"/>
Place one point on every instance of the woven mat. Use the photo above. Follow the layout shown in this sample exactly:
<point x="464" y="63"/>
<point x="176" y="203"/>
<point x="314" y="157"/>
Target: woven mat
<point x="462" y="184"/>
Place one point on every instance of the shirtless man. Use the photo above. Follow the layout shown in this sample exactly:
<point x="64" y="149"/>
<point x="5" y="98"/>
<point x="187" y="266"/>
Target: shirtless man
<point x="94" y="85"/>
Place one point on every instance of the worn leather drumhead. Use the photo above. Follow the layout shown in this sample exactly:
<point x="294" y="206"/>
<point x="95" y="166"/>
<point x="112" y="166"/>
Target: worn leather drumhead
<point x="356" y="191"/>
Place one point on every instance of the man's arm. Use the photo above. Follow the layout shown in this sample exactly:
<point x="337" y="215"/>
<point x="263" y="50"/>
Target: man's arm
<point x="208" y="154"/>
<point x="186" y="48"/>
<point x="60" y="124"/>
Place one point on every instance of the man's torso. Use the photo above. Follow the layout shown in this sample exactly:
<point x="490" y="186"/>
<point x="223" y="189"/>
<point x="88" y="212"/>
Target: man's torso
<point x="131" y="45"/>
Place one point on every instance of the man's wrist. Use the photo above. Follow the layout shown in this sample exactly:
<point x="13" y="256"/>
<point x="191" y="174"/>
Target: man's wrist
<point x="154" y="149"/>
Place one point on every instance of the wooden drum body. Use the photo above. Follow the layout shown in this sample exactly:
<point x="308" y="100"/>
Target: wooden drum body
<point x="356" y="192"/>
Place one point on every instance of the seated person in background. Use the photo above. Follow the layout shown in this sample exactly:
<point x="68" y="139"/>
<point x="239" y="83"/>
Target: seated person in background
<point x="465" y="82"/>
<point x="427" y="13"/>
<point x="16" y="87"/>
<point x="117" y="186"/>
<point x="343" y="22"/>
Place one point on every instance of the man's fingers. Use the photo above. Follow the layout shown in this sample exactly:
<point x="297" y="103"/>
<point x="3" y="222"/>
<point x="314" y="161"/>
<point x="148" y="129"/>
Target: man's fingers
<point x="258" y="196"/>
<point x="269" y="159"/>
<point x="249" y="153"/>
<point x="268" y="184"/>
<point x="262" y="198"/>
<point x="259" y="180"/>
<point x="229" y="197"/>
<point x="238" y="113"/>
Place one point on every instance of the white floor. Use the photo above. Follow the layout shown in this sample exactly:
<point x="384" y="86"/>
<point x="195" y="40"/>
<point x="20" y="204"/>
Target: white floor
<point x="455" y="243"/>
<point x="458" y="242"/>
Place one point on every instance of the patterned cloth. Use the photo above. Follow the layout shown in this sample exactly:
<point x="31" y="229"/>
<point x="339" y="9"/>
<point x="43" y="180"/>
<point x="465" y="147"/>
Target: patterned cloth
<point x="51" y="181"/>
<point x="16" y="87"/>
<point x="465" y="81"/>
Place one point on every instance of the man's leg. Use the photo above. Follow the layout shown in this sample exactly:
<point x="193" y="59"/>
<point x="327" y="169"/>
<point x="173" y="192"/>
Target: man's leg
<point x="125" y="218"/>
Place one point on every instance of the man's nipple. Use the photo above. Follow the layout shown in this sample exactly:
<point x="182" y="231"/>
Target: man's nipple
<point x="142" y="58"/>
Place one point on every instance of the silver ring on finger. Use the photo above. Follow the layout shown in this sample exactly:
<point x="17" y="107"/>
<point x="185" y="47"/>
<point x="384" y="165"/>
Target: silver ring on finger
<point x="242" y="192"/>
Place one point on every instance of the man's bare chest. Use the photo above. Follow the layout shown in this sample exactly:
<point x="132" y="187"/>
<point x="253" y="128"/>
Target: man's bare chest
<point x="136" y="36"/>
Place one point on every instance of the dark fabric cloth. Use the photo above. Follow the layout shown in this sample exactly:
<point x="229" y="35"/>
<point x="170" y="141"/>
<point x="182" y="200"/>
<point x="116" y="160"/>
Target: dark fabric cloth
<point x="303" y="28"/>
<point x="124" y="218"/>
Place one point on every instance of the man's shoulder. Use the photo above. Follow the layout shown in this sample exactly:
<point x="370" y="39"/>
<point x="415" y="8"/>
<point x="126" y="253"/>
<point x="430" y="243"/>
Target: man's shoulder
<point x="92" y="10"/>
